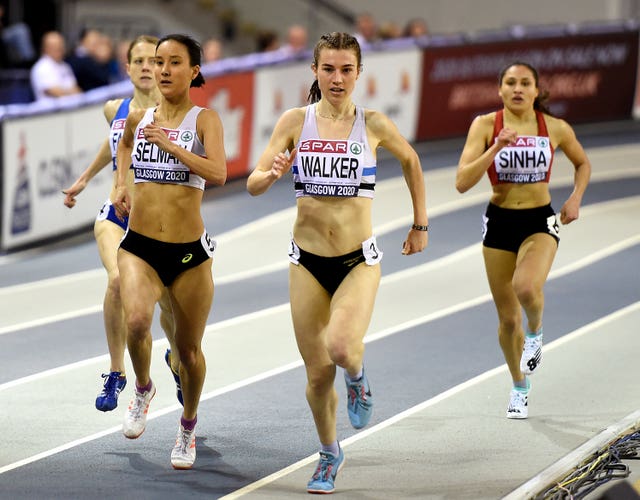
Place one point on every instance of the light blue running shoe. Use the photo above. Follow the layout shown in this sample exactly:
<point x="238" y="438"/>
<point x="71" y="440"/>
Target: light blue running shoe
<point x="114" y="382"/>
<point x="176" y="377"/>
<point x="359" y="401"/>
<point x="324" y="477"/>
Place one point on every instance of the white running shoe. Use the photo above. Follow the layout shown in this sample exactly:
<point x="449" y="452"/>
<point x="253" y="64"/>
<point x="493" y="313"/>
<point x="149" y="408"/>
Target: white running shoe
<point x="518" y="407"/>
<point x="135" y="418"/>
<point x="184" y="452"/>
<point x="531" y="355"/>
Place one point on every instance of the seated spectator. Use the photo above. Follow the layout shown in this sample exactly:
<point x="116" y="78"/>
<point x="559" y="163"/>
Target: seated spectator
<point x="389" y="30"/>
<point x="211" y="50"/>
<point x="51" y="76"/>
<point x="415" y="28"/>
<point x="122" y="58"/>
<point x="267" y="41"/>
<point x="16" y="47"/>
<point x="297" y="41"/>
<point x="91" y="71"/>
<point x="366" y="29"/>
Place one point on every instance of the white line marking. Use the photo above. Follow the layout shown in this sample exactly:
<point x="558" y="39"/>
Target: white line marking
<point x="432" y="402"/>
<point x="369" y="338"/>
<point x="281" y="265"/>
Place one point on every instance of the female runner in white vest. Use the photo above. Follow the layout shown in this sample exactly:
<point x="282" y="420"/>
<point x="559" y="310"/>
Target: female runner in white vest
<point x="334" y="271"/>
<point x="108" y="229"/>
<point x="174" y="148"/>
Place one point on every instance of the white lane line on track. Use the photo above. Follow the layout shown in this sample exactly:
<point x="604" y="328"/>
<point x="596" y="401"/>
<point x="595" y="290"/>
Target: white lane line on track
<point x="429" y="266"/>
<point x="469" y="199"/>
<point x="281" y="265"/>
<point x="369" y="338"/>
<point x="432" y="402"/>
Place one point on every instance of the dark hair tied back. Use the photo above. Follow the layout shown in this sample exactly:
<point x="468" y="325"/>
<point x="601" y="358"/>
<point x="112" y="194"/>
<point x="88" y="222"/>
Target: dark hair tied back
<point x="540" y="102"/>
<point x="195" y="53"/>
<point x="338" y="41"/>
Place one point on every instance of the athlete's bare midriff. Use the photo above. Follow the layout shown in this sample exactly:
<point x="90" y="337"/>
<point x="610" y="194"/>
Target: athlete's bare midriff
<point x="332" y="226"/>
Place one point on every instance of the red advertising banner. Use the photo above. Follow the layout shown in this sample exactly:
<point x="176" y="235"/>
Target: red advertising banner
<point x="589" y="77"/>
<point x="231" y="96"/>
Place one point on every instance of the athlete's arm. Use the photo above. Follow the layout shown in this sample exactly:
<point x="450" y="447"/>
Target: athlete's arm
<point x="274" y="161"/>
<point x="387" y="135"/>
<point x="122" y="201"/>
<point x="102" y="159"/>
<point x="476" y="159"/>
<point x="568" y="142"/>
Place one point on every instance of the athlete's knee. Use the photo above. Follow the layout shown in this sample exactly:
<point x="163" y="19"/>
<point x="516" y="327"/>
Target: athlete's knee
<point x="320" y="379"/>
<point x="340" y="353"/>
<point x="113" y="285"/>
<point x="509" y="323"/>
<point x="528" y="292"/>
<point x="190" y="357"/>
<point x="138" y="324"/>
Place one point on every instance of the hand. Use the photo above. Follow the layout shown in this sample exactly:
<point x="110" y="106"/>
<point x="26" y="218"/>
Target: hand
<point x="570" y="211"/>
<point x="282" y="164"/>
<point x="71" y="193"/>
<point x="416" y="242"/>
<point x="122" y="202"/>
<point x="155" y="135"/>
<point x="506" y="136"/>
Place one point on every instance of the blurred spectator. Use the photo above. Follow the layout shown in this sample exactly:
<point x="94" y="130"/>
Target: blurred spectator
<point x="366" y="29"/>
<point x="267" y="41"/>
<point x="211" y="50"/>
<point x="16" y="47"/>
<point x="88" y="60"/>
<point x="297" y="40"/>
<point x="416" y="28"/>
<point x="389" y="30"/>
<point x="51" y="76"/>
<point x="121" y="56"/>
<point x="105" y="54"/>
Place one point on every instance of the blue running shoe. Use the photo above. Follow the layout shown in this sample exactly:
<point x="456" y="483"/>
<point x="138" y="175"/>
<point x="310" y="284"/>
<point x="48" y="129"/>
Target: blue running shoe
<point x="176" y="376"/>
<point x="113" y="385"/>
<point x="359" y="401"/>
<point x="324" y="477"/>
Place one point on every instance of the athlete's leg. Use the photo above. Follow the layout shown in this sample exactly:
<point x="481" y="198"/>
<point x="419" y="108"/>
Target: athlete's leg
<point x="108" y="236"/>
<point x="168" y="326"/>
<point x="533" y="264"/>
<point x="350" y="314"/>
<point x="191" y="296"/>
<point x="500" y="266"/>
<point x="140" y="289"/>
<point x="310" y="307"/>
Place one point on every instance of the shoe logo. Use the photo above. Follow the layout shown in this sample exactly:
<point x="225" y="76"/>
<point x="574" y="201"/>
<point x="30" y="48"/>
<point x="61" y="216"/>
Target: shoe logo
<point x="187" y="258"/>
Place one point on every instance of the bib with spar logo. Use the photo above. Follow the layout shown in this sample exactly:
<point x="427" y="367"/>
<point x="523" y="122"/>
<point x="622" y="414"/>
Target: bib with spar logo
<point x="330" y="167"/>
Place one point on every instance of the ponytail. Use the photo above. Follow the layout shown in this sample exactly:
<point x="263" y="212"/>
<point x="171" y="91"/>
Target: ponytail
<point x="314" y="93"/>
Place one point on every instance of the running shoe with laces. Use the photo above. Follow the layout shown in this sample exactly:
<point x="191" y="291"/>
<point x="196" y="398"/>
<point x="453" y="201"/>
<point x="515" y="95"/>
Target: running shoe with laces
<point x="135" y="418"/>
<point x="531" y="354"/>
<point x="114" y="382"/>
<point x="176" y="377"/>
<point x="359" y="401"/>
<point x="518" y="403"/>
<point x="184" y="452"/>
<point x="324" y="477"/>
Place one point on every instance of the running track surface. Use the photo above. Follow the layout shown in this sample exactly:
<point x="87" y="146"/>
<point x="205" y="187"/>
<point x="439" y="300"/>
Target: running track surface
<point x="440" y="385"/>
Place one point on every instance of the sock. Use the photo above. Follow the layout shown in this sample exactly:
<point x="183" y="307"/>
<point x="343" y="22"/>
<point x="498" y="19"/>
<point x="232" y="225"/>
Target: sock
<point x="532" y="335"/>
<point x="332" y="448"/>
<point x="188" y="425"/>
<point x="522" y="385"/>
<point x="145" y="388"/>
<point x="358" y="375"/>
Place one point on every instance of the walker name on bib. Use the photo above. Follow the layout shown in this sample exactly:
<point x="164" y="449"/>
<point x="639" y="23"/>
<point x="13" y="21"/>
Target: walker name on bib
<point x="330" y="168"/>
